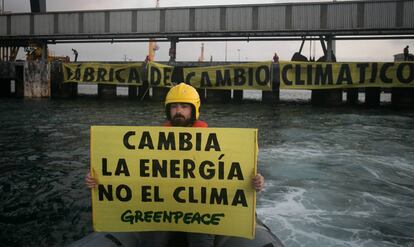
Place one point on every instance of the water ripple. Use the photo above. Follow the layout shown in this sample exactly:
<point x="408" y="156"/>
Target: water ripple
<point x="334" y="177"/>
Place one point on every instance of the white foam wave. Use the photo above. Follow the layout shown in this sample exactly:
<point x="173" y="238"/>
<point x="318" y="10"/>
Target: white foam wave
<point x="379" y="176"/>
<point x="298" y="222"/>
<point x="293" y="152"/>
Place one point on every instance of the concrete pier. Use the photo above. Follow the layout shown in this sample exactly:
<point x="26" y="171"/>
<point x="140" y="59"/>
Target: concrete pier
<point x="330" y="97"/>
<point x="19" y="81"/>
<point x="57" y="87"/>
<point x="159" y="93"/>
<point x="7" y="72"/>
<point x="402" y="98"/>
<point x="202" y="93"/>
<point x="64" y="90"/>
<point x="270" y="97"/>
<point x="36" y="79"/>
<point x="218" y="96"/>
<point x="352" y="96"/>
<point x="11" y="73"/>
<point x="132" y="92"/>
<point x="5" y="87"/>
<point x="106" y="91"/>
<point x="273" y="96"/>
<point x="237" y="96"/>
<point x="372" y="96"/>
<point x="40" y="79"/>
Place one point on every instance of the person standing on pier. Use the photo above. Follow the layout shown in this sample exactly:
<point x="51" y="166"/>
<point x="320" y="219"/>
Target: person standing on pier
<point x="406" y="53"/>
<point x="75" y="52"/>
<point x="275" y="58"/>
<point x="182" y="108"/>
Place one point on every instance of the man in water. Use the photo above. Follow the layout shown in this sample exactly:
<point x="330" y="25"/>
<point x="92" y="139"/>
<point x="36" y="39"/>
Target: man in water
<point x="182" y="108"/>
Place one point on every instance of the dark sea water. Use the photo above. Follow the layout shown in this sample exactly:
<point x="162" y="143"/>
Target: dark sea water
<point x="334" y="177"/>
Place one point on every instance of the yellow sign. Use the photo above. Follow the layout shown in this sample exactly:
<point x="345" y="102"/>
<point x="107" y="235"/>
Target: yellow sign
<point x="254" y="76"/>
<point x="104" y="73"/>
<point x="160" y="75"/>
<point x="311" y="75"/>
<point x="174" y="179"/>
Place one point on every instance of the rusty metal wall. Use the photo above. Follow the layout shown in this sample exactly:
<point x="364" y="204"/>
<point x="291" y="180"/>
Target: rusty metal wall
<point x="36" y="79"/>
<point x="207" y="19"/>
<point x="380" y="15"/>
<point x="43" y="24"/>
<point x="148" y="21"/>
<point x="3" y="25"/>
<point x="408" y="20"/>
<point x="20" y="25"/>
<point x="177" y="20"/>
<point x="94" y="22"/>
<point x="120" y="21"/>
<point x="68" y="23"/>
<point x="306" y="17"/>
<point x="272" y="18"/>
<point x="239" y="18"/>
<point x="342" y="16"/>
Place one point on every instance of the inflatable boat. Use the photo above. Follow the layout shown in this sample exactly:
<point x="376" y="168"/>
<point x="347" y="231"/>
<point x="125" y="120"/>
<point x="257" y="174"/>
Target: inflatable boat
<point x="263" y="238"/>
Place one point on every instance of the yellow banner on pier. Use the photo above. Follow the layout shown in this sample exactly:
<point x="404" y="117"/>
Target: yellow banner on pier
<point x="174" y="179"/>
<point x="104" y="73"/>
<point x="255" y="76"/>
<point x="160" y="75"/>
<point x="314" y="75"/>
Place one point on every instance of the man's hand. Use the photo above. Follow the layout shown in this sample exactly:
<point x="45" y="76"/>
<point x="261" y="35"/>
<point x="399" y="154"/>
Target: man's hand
<point x="258" y="182"/>
<point x="90" y="181"/>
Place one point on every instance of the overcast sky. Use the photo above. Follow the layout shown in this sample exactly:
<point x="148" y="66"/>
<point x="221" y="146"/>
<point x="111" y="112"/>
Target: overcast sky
<point x="362" y="50"/>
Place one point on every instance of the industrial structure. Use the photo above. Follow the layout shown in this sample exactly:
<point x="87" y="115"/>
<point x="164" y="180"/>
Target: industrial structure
<point x="327" y="21"/>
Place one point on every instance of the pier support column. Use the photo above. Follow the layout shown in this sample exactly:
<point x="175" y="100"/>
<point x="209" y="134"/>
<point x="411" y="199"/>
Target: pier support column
<point x="270" y="97"/>
<point x="330" y="97"/>
<point x="218" y="96"/>
<point x="19" y="81"/>
<point x="58" y="88"/>
<point x="202" y="93"/>
<point x="352" y="96"/>
<point x="132" y="92"/>
<point x="11" y="72"/>
<point x="64" y="90"/>
<point x="106" y="91"/>
<point x="7" y="72"/>
<point x="273" y="96"/>
<point x="5" y="87"/>
<point x="159" y="93"/>
<point x="36" y="79"/>
<point x="402" y="98"/>
<point x="238" y="96"/>
<point x="372" y="96"/>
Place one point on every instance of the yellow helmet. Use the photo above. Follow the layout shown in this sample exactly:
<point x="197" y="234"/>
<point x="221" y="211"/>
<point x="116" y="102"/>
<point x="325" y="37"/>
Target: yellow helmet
<point x="183" y="93"/>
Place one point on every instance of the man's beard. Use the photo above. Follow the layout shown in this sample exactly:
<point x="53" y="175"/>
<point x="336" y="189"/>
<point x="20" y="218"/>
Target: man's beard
<point x="180" y="121"/>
